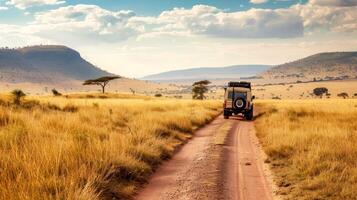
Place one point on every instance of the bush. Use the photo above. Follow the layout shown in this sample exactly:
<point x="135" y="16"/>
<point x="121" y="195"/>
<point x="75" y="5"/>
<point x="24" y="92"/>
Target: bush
<point x="158" y="95"/>
<point x="343" y="95"/>
<point x="17" y="96"/>
<point x="55" y="92"/>
<point x="320" y="91"/>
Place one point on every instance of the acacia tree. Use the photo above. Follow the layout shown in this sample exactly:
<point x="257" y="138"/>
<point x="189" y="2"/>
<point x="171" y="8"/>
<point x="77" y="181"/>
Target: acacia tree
<point x="17" y="96"/>
<point x="102" y="81"/>
<point x="199" y="89"/>
<point x="320" y="91"/>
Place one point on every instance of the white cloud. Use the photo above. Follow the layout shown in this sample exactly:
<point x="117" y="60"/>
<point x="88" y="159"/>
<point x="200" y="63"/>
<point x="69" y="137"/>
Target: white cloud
<point x="23" y="4"/>
<point x="3" y="8"/>
<point x="328" y="18"/>
<point x="258" y="1"/>
<point x="334" y="2"/>
<point x="85" y="22"/>
<point x="14" y="35"/>
<point x="210" y="21"/>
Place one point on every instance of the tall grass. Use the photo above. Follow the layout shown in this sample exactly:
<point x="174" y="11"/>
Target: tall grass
<point x="312" y="147"/>
<point x="91" y="148"/>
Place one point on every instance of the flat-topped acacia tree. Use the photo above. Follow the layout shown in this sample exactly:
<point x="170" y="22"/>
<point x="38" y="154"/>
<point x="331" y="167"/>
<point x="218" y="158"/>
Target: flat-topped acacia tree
<point x="199" y="89"/>
<point x="102" y="81"/>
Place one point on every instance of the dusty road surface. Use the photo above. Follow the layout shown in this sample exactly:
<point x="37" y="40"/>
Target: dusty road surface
<point x="205" y="169"/>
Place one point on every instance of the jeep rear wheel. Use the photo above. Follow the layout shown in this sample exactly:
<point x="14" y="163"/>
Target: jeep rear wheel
<point x="249" y="114"/>
<point x="226" y="114"/>
<point x="239" y="104"/>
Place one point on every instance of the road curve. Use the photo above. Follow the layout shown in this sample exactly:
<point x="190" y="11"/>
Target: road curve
<point x="204" y="170"/>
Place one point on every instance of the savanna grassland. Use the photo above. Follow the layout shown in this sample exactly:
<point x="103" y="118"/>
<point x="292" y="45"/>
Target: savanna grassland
<point x="311" y="146"/>
<point x="90" y="147"/>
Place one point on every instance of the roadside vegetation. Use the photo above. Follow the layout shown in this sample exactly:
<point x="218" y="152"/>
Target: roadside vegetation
<point x="94" y="147"/>
<point x="311" y="146"/>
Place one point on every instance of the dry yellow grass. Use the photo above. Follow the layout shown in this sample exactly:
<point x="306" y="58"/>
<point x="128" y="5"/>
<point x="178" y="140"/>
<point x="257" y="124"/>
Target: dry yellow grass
<point x="312" y="146"/>
<point x="121" y="85"/>
<point x="58" y="148"/>
<point x="304" y="90"/>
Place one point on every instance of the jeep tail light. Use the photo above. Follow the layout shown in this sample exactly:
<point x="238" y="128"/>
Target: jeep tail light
<point x="224" y="103"/>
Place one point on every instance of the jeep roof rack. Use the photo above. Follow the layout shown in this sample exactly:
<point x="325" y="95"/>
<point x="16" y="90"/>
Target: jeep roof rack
<point x="239" y="84"/>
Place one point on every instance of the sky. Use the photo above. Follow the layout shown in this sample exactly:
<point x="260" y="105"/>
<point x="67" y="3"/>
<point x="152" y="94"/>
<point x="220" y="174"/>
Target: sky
<point x="134" y="38"/>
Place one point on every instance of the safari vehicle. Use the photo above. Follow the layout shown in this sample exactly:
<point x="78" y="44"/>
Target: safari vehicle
<point x="238" y="99"/>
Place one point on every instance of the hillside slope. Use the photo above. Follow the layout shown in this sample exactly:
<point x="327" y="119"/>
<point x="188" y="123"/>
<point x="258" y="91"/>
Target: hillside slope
<point x="322" y="66"/>
<point x="45" y="64"/>
<point x="38" y="69"/>
<point x="230" y="72"/>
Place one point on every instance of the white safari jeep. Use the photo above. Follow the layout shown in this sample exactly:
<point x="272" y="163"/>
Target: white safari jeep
<point x="238" y="99"/>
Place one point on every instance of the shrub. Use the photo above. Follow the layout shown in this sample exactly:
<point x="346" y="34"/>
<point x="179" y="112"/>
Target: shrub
<point x="17" y="96"/>
<point x="158" y="95"/>
<point x="320" y="91"/>
<point x="343" y="95"/>
<point x="55" y="92"/>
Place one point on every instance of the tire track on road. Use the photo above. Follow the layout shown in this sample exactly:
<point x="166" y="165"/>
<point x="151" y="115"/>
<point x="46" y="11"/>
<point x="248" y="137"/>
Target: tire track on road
<point x="204" y="170"/>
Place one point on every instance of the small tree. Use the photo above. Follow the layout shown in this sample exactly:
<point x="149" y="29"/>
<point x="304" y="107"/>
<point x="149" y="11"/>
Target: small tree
<point x="55" y="92"/>
<point x="102" y="81"/>
<point x="17" y="96"/>
<point x="132" y="91"/>
<point x="320" y="91"/>
<point x="343" y="95"/>
<point x="199" y="89"/>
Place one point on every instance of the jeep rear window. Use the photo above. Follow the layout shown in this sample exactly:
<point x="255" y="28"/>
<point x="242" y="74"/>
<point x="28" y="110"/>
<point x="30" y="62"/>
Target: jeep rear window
<point x="237" y="94"/>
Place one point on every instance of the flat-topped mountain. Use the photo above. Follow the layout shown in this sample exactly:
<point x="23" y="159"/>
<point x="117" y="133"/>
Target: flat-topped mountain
<point x="49" y="63"/>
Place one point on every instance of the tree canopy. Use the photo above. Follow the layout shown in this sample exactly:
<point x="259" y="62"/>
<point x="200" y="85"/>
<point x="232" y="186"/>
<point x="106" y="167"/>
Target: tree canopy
<point x="102" y="81"/>
<point x="17" y="95"/>
<point x="320" y="91"/>
<point x="199" y="89"/>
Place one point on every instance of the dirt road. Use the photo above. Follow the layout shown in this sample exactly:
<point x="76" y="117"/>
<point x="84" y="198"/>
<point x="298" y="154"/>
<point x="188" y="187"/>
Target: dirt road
<point x="202" y="169"/>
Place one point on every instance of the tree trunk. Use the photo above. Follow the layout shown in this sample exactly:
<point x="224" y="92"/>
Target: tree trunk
<point x="103" y="89"/>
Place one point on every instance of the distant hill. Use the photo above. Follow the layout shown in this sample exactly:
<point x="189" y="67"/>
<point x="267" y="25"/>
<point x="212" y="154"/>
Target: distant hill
<point x="38" y="69"/>
<point x="211" y="73"/>
<point x="322" y="66"/>
<point x="38" y="64"/>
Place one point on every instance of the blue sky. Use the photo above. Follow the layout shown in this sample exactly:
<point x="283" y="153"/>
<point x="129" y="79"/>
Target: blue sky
<point x="139" y="37"/>
<point x="145" y="7"/>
